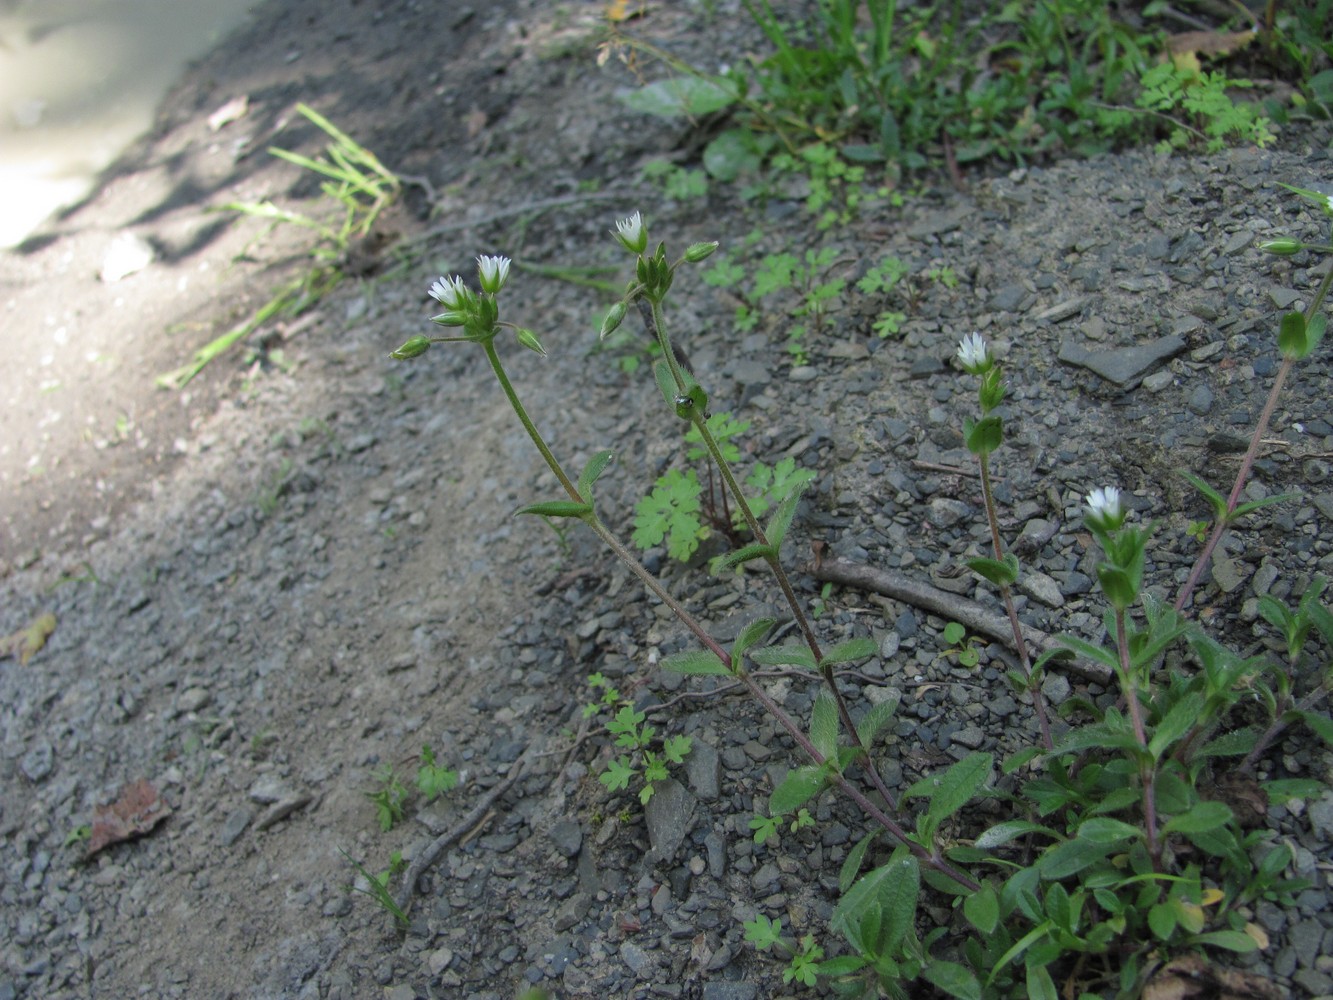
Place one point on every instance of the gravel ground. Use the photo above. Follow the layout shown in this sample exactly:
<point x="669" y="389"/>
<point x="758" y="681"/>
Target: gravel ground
<point x="304" y="573"/>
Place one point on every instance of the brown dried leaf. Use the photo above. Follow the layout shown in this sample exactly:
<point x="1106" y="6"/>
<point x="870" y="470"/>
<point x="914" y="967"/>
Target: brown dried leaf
<point x="139" y="809"/>
<point x="1192" y="976"/>
<point x="28" y="642"/>
<point x="1248" y="802"/>
<point x="1187" y="48"/>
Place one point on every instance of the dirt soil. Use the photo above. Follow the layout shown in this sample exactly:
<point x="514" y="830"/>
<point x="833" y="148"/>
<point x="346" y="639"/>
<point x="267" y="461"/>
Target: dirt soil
<point x="300" y="569"/>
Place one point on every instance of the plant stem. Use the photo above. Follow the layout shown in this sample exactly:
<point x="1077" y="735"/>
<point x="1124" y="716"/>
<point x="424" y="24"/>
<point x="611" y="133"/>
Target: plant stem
<point x="1147" y="768"/>
<point x="1242" y="476"/>
<point x="528" y="425"/>
<point x="1006" y="594"/>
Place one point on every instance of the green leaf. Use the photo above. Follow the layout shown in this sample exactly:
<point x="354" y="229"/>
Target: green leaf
<point x="982" y="909"/>
<point x="824" y="726"/>
<point x="1103" y="656"/>
<point x="1103" y="830"/>
<point x="731" y="154"/>
<point x="743" y="555"/>
<point x="1320" y="725"/>
<point x="593" y="471"/>
<point x="749" y="635"/>
<point x="782" y="517"/>
<point x="617" y="774"/>
<point x="696" y="662"/>
<point x="875" y="720"/>
<point x="852" y="866"/>
<point x="950" y="791"/>
<point x="1179" y="721"/>
<point x="843" y="965"/>
<point x="1202" y="818"/>
<point x="799" y="786"/>
<point x="1071" y="857"/>
<point x="1291" y="336"/>
<point x="790" y="655"/>
<point x="1001" y="833"/>
<point x="893" y="887"/>
<point x="1237" y="941"/>
<point x="557" y="508"/>
<point x="954" y="979"/>
<point x="1215" y="499"/>
<point x="1002" y="573"/>
<point x="1040" y="984"/>
<point x="1162" y="920"/>
<point x="849" y="651"/>
<point x="684" y="96"/>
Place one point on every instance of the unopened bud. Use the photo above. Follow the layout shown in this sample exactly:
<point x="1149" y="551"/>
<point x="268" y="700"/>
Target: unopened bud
<point x="529" y="340"/>
<point x="1283" y="247"/>
<point x="415" y="346"/>
<point x="700" y="251"/>
<point x="613" y="320"/>
<point x="451" y="318"/>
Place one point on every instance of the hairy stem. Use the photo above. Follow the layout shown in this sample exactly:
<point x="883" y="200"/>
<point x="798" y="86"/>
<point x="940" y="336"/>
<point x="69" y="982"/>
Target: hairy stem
<point x="1243" y="475"/>
<point x="1147" y="769"/>
<point x="1006" y="594"/>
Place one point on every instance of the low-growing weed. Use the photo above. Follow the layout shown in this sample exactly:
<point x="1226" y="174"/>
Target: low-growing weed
<point x="1106" y="849"/>
<point x="392" y="796"/>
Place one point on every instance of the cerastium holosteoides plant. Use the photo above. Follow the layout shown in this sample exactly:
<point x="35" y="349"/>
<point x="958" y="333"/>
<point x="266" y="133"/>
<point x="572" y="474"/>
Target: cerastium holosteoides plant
<point x="1114" y="849"/>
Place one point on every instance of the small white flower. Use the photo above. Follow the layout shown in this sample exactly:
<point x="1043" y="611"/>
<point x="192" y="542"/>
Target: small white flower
<point x="449" y="292"/>
<point x="1104" y="506"/>
<point x="631" y="235"/>
<point x="973" y="353"/>
<point x="494" y="272"/>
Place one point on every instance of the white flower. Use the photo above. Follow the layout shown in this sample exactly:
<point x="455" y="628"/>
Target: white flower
<point x="494" y="272"/>
<point x="631" y="234"/>
<point x="449" y="292"/>
<point x="973" y="354"/>
<point x="1104" y="507"/>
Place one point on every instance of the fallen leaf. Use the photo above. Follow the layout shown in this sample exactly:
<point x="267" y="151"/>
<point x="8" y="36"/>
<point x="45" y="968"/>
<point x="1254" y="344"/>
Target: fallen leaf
<point x="236" y="108"/>
<point x="28" y="642"/>
<point x="139" y="808"/>
<point x="1187" y="48"/>
<point x="1191" y="976"/>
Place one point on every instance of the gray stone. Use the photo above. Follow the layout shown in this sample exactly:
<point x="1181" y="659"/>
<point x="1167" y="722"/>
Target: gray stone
<point x="234" y="826"/>
<point x="572" y="910"/>
<point x="970" y="737"/>
<point x="640" y="962"/>
<point x="1056" y="688"/>
<point x="730" y="991"/>
<point x="1305" y="938"/>
<point x="946" y="512"/>
<point x="193" y="699"/>
<point x="669" y="816"/>
<point x="703" y="769"/>
<point x="1321" y="817"/>
<point x="1042" y="588"/>
<point x="1124" y="367"/>
<point x="1229" y="573"/>
<point x="37" y="764"/>
<point x="1201" y="400"/>
<point x="567" y="836"/>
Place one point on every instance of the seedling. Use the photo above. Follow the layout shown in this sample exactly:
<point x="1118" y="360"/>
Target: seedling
<point x="967" y="648"/>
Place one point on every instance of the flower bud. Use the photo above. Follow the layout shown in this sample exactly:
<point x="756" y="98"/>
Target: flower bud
<point x="1283" y="247"/>
<point x="414" y="347"/>
<point x="529" y="340"/>
<point x="614" y="318"/>
<point x="700" y="251"/>
<point x="451" y="318"/>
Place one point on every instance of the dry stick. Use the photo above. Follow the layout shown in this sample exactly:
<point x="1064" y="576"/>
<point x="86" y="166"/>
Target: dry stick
<point x="969" y="614"/>
<point x="440" y="844"/>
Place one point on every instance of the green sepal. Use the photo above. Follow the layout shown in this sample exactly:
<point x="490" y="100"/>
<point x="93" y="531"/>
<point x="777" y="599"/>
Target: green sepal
<point x="593" y="471"/>
<point x="557" y="508"/>
<point x="696" y="662"/>
<point x="983" y="436"/>
<point x="1001" y="572"/>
